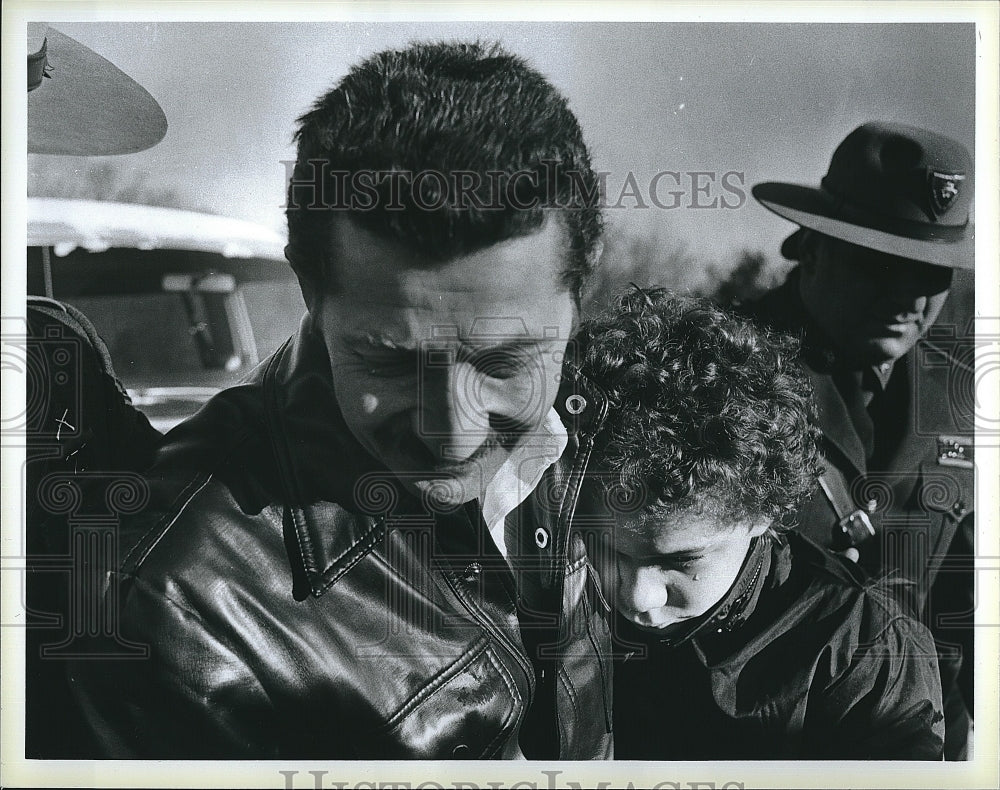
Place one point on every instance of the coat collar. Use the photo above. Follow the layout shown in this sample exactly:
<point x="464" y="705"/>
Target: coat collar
<point x="339" y="501"/>
<point x="542" y="525"/>
<point x="834" y="420"/>
<point x="783" y="309"/>
<point x="336" y="497"/>
<point x="760" y="569"/>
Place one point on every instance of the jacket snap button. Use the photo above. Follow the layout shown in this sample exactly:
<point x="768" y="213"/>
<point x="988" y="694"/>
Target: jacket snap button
<point x="462" y="750"/>
<point x="541" y="538"/>
<point x="575" y="404"/>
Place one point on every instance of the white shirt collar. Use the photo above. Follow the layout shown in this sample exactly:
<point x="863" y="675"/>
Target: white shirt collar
<point x="520" y="474"/>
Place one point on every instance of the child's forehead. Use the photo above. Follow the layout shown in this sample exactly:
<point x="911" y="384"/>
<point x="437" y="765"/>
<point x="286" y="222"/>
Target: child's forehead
<point x="675" y="531"/>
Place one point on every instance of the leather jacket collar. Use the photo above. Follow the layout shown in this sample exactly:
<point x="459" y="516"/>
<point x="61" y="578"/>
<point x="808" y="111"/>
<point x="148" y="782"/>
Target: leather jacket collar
<point x="338" y="498"/>
<point x="583" y="408"/>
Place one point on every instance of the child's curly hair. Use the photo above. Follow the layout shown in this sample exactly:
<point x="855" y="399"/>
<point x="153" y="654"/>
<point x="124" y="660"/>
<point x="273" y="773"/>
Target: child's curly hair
<point x="709" y="412"/>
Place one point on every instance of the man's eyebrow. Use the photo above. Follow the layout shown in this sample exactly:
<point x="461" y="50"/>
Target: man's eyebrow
<point x="519" y="342"/>
<point x="379" y="341"/>
<point x="384" y="342"/>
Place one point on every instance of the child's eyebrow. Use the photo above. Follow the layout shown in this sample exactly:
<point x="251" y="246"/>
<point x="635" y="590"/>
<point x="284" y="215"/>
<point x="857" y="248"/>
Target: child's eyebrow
<point x="675" y="556"/>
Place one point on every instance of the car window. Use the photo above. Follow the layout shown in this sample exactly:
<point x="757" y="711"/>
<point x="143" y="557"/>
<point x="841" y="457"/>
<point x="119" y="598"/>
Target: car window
<point x="275" y="308"/>
<point x="151" y="341"/>
<point x="154" y="338"/>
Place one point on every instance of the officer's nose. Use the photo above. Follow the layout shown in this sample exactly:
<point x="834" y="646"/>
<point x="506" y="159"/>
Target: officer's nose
<point x="906" y="298"/>
<point x="642" y="589"/>
<point x="908" y="285"/>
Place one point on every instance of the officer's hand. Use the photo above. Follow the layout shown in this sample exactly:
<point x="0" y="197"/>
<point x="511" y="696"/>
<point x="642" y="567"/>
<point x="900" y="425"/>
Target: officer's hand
<point x="851" y="554"/>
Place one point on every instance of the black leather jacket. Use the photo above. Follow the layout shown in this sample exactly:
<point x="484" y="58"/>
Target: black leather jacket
<point x="288" y="599"/>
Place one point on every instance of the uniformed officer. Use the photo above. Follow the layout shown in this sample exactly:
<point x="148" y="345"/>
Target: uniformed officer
<point x="880" y="244"/>
<point x="81" y="427"/>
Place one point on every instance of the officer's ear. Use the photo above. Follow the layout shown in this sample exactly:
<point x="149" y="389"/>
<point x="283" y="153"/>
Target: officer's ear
<point x="807" y="252"/>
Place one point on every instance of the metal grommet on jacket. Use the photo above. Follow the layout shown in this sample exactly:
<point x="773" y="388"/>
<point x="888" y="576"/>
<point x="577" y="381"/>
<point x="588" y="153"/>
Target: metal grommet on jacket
<point x="575" y="404"/>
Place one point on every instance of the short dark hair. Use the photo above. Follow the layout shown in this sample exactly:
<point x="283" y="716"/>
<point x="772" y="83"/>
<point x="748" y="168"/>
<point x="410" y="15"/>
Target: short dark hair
<point x="708" y="411"/>
<point x="448" y="108"/>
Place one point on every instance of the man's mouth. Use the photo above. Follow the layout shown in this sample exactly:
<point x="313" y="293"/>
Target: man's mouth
<point x="457" y="466"/>
<point x="444" y="482"/>
<point x="466" y="465"/>
<point x="411" y="453"/>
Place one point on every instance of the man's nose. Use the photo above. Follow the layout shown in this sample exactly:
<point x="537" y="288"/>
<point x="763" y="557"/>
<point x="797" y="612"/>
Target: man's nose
<point x="448" y="417"/>
<point x="642" y="589"/>
<point x="460" y="405"/>
<point x="905" y="300"/>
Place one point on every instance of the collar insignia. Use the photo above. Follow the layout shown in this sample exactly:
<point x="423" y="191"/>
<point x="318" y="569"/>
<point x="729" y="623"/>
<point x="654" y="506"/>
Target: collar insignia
<point x="956" y="451"/>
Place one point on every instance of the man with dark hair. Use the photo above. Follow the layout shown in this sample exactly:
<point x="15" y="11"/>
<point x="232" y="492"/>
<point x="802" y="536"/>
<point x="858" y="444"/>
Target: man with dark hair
<point x="325" y="568"/>
<point x="881" y="242"/>
<point x="450" y="182"/>
<point x="735" y="638"/>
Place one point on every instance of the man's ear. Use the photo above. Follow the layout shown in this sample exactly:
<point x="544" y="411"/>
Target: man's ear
<point x="596" y="253"/>
<point x="759" y="528"/>
<point x="309" y="279"/>
<point x="580" y="293"/>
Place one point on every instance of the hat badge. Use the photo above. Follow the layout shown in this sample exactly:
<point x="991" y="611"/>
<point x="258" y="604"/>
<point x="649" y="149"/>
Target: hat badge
<point x="944" y="188"/>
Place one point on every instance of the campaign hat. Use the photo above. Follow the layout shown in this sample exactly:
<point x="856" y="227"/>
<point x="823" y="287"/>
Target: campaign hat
<point x="80" y="103"/>
<point x="890" y="187"/>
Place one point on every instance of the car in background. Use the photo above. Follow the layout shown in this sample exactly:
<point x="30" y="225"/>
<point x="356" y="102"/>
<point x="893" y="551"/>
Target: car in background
<point x="187" y="302"/>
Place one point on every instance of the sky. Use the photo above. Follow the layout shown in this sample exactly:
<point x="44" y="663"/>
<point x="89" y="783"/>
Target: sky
<point x="759" y="101"/>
